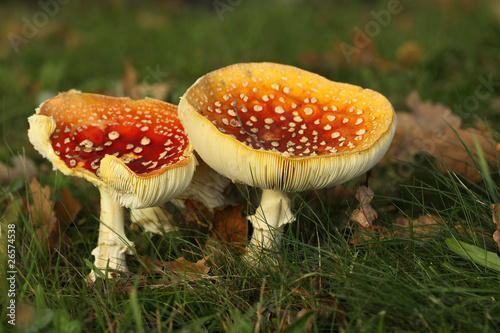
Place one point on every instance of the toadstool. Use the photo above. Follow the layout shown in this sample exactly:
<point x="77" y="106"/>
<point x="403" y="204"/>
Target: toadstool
<point x="284" y="129"/>
<point x="135" y="152"/>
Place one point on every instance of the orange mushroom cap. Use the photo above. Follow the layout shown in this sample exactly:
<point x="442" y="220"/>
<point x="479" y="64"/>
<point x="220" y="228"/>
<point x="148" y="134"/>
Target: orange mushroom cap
<point x="117" y="141"/>
<point x="285" y="128"/>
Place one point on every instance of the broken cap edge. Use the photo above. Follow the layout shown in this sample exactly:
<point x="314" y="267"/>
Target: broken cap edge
<point x="39" y="132"/>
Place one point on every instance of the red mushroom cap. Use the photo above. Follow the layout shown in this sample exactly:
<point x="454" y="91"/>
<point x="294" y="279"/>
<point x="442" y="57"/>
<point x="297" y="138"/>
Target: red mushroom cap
<point x="77" y="131"/>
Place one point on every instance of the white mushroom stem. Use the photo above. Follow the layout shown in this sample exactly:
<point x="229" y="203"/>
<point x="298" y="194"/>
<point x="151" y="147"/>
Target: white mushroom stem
<point x="153" y="219"/>
<point x="112" y="244"/>
<point x="273" y="212"/>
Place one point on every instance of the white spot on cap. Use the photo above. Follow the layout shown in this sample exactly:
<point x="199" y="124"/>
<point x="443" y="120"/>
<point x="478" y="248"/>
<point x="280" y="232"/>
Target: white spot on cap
<point x="327" y="127"/>
<point x="314" y="100"/>
<point x="145" y="141"/>
<point x="129" y="146"/>
<point x="361" y="132"/>
<point x="287" y="90"/>
<point x="72" y="163"/>
<point x="138" y="150"/>
<point x="268" y="120"/>
<point x="265" y="98"/>
<point x="253" y="118"/>
<point x="87" y="143"/>
<point x="297" y="119"/>
<point x="358" y="121"/>
<point x="345" y="120"/>
<point x="335" y="135"/>
<point x="308" y="111"/>
<point x="258" y="108"/>
<point x="275" y="144"/>
<point x="330" y="117"/>
<point x="144" y="129"/>
<point x="279" y="110"/>
<point x="113" y="135"/>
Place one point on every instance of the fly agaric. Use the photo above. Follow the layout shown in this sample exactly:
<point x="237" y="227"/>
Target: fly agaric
<point x="284" y="129"/>
<point x="135" y="152"/>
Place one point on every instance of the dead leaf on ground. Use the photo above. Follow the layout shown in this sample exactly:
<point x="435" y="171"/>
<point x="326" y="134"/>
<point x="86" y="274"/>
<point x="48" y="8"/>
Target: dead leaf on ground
<point x="67" y="207"/>
<point x="364" y="215"/>
<point x="426" y="129"/>
<point x="179" y="270"/>
<point x="148" y="87"/>
<point x="43" y="215"/>
<point x="230" y="227"/>
<point x="423" y="227"/>
<point x="410" y="54"/>
<point x="129" y="78"/>
<point x="21" y="166"/>
<point x="496" y="220"/>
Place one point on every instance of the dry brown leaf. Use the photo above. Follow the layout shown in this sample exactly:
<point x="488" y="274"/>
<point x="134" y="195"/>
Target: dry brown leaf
<point x="196" y="215"/>
<point x="427" y="129"/>
<point x="182" y="266"/>
<point x="423" y="227"/>
<point x="21" y="166"/>
<point x="67" y="207"/>
<point x="364" y="215"/>
<point x="496" y="220"/>
<point x="409" y="54"/>
<point x="230" y="226"/>
<point x="129" y="78"/>
<point x="42" y="215"/>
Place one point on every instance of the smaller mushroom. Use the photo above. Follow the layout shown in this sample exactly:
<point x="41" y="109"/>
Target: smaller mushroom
<point x="284" y="129"/>
<point x="135" y="152"/>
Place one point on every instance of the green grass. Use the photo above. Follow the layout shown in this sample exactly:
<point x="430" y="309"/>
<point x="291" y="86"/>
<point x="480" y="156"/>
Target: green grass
<point x="383" y="284"/>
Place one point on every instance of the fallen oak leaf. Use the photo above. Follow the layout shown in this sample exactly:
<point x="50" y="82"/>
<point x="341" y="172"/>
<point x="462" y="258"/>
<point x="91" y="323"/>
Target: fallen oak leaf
<point x="364" y="215"/>
<point x="21" y="166"/>
<point x="66" y="207"/>
<point x="42" y="216"/>
<point x="433" y="129"/>
<point x="422" y="227"/>
<point x="230" y="227"/>
<point x="496" y="221"/>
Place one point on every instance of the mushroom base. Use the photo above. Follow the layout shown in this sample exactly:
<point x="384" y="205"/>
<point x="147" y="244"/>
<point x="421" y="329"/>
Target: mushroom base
<point x="273" y="212"/>
<point x="113" y="244"/>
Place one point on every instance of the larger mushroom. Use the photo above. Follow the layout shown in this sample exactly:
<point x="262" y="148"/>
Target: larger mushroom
<point x="135" y="152"/>
<point x="284" y="129"/>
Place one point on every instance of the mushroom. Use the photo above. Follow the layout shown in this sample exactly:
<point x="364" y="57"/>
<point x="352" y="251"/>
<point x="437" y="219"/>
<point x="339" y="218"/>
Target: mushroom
<point x="135" y="152"/>
<point x="284" y="129"/>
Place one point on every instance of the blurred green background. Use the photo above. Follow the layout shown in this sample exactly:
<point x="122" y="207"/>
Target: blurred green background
<point x="441" y="48"/>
